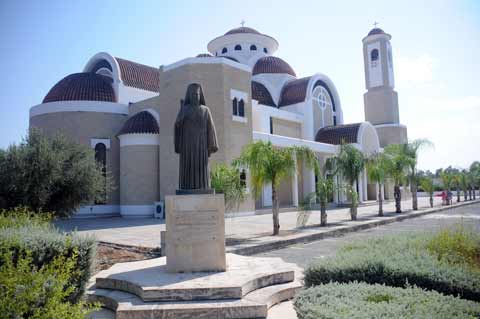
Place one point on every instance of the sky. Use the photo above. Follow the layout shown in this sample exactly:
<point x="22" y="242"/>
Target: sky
<point x="436" y="53"/>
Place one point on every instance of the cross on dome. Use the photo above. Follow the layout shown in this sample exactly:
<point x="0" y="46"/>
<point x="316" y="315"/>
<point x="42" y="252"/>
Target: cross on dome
<point x="375" y="24"/>
<point x="242" y="23"/>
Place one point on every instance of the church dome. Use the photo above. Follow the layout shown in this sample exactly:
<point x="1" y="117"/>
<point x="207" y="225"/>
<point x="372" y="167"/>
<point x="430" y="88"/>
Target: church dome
<point x="261" y="94"/>
<point x="242" y="30"/>
<point x="375" y="31"/>
<point x="141" y="123"/>
<point x="271" y="64"/>
<point x="204" y="55"/>
<point x="82" y="87"/>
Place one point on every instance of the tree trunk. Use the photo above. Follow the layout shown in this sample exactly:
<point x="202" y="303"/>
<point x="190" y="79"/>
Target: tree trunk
<point x="470" y="193"/>
<point x="465" y="194"/>
<point x="380" y="200"/>
<point x="431" y="201"/>
<point x="473" y="191"/>
<point x="323" y="214"/>
<point x="398" y="199"/>
<point x="275" y="208"/>
<point x="353" y="211"/>
<point x="458" y="195"/>
<point x="413" y="187"/>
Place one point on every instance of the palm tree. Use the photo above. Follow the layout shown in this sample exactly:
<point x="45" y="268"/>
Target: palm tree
<point x="324" y="191"/>
<point x="410" y="151"/>
<point x="456" y="183"/>
<point x="475" y="170"/>
<point x="447" y="184"/>
<point x="464" y="184"/>
<point x="268" y="164"/>
<point x="427" y="185"/>
<point x="226" y="180"/>
<point x="350" y="162"/>
<point x="377" y="172"/>
<point x="397" y="164"/>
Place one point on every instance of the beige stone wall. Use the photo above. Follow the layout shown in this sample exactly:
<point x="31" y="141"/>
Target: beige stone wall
<point x="139" y="184"/>
<point x="83" y="126"/>
<point x="392" y="135"/>
<point x="381" y="106"/>
<point x="286" y="128"/>
<point x="216" y="80"/>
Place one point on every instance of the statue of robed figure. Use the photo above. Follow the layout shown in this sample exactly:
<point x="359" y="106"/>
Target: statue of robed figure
<point x="195" y="139"/>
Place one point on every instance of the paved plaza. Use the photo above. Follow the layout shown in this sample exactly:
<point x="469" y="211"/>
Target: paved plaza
<point x="240" y="230"/>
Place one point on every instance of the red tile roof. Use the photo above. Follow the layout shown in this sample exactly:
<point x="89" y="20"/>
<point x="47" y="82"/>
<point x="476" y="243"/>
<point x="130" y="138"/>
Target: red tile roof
<point x="272" y="64"/>
<point x="139" y="76"/>
<point x="142" y="122"/>
<point x="347" y="133"/>
<point x="294" y="91"/>
<point x="261" y="94"/>
<point x="82" y="87"/>
<point x="242" y="30"/>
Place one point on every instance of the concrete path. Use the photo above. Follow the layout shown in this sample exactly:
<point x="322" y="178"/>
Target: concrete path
<point x="240" y="230"/>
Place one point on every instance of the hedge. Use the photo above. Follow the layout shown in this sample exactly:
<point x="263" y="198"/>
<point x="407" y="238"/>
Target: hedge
<point x="361" y="300"/>
<point x="43" y="243"/>
<point x="398" y="261"/>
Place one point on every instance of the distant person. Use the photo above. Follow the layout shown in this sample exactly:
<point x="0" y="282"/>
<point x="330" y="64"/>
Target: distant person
<point x="444" y="197"/>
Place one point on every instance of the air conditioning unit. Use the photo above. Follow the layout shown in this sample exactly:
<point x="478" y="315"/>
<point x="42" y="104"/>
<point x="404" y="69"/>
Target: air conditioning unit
<point x="159" y="209"/>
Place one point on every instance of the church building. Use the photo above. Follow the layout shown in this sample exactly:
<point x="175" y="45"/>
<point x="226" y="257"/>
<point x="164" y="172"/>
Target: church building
<point x="126" y="111"/>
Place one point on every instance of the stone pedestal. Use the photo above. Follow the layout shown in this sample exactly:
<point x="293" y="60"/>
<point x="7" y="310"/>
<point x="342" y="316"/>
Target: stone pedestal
<point x="195" y="233"/>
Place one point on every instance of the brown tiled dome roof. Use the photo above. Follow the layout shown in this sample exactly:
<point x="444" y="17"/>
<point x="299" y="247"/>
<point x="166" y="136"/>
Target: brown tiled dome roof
<point x="294" y="91"/>
<point x="242" y="30"/>
<point x="272" y="64"/>
<point x="204" y="55"/>
<point x="261" y="94"/>
<point x="347" y="133"/>
<point x="139" y="76"/>
<point x="82" y="87"/>
<point x="142" y="122"/>
<point x="376" y="31"/>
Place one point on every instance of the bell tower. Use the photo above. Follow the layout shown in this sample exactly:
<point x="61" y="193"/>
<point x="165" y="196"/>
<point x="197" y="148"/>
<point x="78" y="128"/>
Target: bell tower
<point x="381" y="100"/>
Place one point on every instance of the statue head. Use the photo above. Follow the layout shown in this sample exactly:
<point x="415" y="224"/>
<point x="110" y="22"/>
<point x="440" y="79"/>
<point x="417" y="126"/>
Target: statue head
<point x="194" y="95"/>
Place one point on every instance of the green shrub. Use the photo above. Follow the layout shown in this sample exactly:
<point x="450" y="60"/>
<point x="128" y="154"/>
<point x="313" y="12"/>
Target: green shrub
<point x="29" y="291"/>
<point x="398" y="261"/>
<point x="50" y="174"/>
<point x="361" y="300"/>
<point x="43" y="244"/>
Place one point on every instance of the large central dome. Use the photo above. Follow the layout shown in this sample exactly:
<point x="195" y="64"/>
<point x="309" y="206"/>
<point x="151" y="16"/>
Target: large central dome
<point x="242" y="30"/>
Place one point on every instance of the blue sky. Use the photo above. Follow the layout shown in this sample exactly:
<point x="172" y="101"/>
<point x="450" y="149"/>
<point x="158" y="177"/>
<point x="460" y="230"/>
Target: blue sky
<point x="436" y="52"/>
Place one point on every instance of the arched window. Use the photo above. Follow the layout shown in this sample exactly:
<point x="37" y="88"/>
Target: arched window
<point x="101" y="158"/>
<point x="235" y="106"/>
<point x="373" y="57"/>
<point x="265" y="50"/>
<point x="321" y="95"/>
<point x="238" y="47"/>
<point x="224" y="50"/>
<point x="253" y="47"/>
<point x="241" y="108"/>
<point x="243" y="178"/>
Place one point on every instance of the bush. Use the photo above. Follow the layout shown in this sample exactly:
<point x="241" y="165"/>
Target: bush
<point x="50" y="175"/>
<point x="399" y="261"/>
<point x="360" y="300"/>
<point x="29" y="291"/>
<point x="43" y="244"/>
<point x="226" y="180"/>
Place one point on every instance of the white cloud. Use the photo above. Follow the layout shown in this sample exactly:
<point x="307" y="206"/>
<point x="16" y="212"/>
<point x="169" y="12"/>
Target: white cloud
<point x="415" y="70"/>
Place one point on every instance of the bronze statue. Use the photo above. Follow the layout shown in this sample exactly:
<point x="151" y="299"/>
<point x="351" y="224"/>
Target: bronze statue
<point x="195" y="139"/>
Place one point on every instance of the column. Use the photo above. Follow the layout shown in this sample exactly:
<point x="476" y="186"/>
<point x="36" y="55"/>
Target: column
<point x="365" y="185"/>
<point x="360" y="187"/>
<point x="295" y="186"/>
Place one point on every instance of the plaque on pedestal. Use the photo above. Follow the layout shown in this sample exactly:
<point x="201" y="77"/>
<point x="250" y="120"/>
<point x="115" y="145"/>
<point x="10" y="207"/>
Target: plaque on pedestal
<point x="195" y="234"/>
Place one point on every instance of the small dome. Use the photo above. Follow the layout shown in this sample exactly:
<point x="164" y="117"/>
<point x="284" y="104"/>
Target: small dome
<point x="82" y="87"/>
<point x="142" y="122"/>
<point x="375" y="31"/>
<point x="242" y="30"/>
<point x="271" y="64"/>
<point x="204" y="55"/>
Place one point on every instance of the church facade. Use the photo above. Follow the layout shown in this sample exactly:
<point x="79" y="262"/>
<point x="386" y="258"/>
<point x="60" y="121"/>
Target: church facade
<point x="126" y="112"/>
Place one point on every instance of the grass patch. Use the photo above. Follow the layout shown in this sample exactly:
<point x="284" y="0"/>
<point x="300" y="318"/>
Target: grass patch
<point x="445" y="261"/>
<point x="361" y="300"/>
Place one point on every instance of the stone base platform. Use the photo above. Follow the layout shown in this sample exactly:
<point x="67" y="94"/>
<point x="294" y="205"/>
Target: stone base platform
<point x="143" y="289"/>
